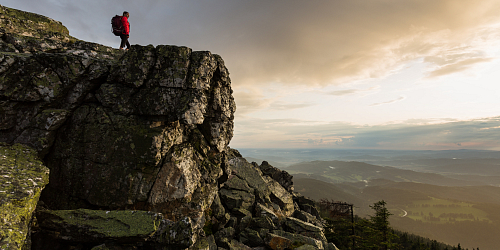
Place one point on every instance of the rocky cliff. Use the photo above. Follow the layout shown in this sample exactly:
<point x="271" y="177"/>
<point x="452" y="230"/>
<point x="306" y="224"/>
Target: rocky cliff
<point x="136" y="143"/>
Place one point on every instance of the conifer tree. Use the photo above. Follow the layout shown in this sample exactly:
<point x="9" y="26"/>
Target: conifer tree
<point x="383" y="236"/>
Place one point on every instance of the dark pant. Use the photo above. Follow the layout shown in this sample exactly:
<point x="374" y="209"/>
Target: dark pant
<point x="124" y="41"/>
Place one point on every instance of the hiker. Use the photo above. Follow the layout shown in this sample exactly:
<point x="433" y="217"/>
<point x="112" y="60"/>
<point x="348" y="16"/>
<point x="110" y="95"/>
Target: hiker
<point x="125" y="31"/>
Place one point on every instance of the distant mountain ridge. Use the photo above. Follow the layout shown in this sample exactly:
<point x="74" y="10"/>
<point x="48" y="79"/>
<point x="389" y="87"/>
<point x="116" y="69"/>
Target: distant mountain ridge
<point x="291" y="156"/>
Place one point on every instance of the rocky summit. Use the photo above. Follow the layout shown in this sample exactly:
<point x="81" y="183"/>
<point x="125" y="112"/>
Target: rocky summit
<point x="136" y="144"/>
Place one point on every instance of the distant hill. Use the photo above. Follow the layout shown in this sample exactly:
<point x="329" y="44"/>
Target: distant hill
<point x="487" y="166"/>
<point x="475" y="171"/>
<point x="452" y="210"/>
<point x="394" y="158"/>
<point x="469" y="167"/>
<point x="475" y="194"/>
<point x="445" y="199"/>
<point x="481" y="202"/>
<point x="318" y="190"/>
<point x="341" y="171"/>
<point x="487" y="180"/>
<point x="407" y="192"/>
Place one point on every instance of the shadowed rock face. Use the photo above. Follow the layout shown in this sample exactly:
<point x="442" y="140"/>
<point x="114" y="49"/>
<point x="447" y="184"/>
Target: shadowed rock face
<point x="146" y="143"/>
<point x="144" y="129"/>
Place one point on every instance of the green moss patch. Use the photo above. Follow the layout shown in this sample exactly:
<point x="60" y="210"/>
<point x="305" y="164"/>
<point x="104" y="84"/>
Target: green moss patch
<point x="22" y="178"/>
<point x="93" y="225"/>
<point x="27" y="20"/>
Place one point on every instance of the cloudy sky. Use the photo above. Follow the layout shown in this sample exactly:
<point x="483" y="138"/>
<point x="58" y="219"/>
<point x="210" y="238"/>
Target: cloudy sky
<point x="387" y="74"/>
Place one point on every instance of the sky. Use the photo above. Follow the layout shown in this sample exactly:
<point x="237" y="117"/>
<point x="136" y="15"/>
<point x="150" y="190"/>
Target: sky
<point x="377" y="74"/>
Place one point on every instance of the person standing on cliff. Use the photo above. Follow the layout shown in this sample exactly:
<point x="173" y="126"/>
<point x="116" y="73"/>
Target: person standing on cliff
<point x="125" y="31"/>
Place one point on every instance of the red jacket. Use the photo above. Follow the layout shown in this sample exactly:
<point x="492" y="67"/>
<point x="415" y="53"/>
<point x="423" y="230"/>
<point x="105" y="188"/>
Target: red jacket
<point x="125" y="25"/>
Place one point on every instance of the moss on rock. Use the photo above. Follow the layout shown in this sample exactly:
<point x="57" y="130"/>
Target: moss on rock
<point x="29" y="32"/>
<point x="31" y="21"/>
<point x="22" y="178"/>
<point x="84" y="225"/>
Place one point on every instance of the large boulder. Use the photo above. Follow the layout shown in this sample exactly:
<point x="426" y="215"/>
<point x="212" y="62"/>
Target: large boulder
<point x="61" y="229"/>
<point x="96" y="226"/>
<point x="282" y="177"/>
<point x="267" y="191"/>
<point x="142" y="130"/>
<point x="22" y="179"/>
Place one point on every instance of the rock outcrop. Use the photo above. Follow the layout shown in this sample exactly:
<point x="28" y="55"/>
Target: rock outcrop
<point x="137" y="147"/>
<point x="255" y="207"/>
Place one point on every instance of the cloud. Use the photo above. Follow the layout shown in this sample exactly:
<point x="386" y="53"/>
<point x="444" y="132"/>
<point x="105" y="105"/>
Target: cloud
<point x="352" y="91"/>
<point x="298" y="42"/>
<point x="497" y="127"/>
<point x="457" y="67"/>
<point x="279" y="105"/>
<point x="250" y="100"/>
<point x="293" y="133"/>
<point x="344" y="92"/>
<point x="332" y="42"/>
<point x="389" y="102"/>
<point x="309" y="43"/>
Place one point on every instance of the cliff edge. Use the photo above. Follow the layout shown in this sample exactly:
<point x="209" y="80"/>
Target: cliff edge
<point x="137" y="147"/>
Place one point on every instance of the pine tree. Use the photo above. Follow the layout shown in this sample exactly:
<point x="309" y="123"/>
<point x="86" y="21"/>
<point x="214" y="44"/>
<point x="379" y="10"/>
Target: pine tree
<point x="384" y="237"/>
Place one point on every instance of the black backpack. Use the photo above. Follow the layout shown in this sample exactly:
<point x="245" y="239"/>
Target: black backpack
<point x="116" y="25"/>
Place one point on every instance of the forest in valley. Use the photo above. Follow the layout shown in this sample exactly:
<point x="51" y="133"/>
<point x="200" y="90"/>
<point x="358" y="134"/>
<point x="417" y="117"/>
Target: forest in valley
<point x="349" y="231"/>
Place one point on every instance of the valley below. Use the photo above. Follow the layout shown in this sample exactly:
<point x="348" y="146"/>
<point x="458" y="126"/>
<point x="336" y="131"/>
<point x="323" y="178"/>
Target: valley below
<point x="450" y="196"/>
